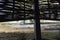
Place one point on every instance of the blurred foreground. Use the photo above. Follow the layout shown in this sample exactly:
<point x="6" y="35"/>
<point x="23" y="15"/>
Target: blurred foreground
<point x="49" y="32"/>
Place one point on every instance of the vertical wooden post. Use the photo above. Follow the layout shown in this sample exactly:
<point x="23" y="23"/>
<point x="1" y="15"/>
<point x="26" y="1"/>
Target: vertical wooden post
<point x="13" y="9"/>
<point x="24" y="12"/>
<point x="37" y="27"/>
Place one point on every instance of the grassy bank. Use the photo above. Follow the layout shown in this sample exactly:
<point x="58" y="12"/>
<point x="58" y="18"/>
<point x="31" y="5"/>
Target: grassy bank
<point x="27" y="36"/>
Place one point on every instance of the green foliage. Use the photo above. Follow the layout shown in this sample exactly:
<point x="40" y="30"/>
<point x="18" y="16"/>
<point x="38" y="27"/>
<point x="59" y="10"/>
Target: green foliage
<point x="16" y="36"/>
<point x="27" y="36"/>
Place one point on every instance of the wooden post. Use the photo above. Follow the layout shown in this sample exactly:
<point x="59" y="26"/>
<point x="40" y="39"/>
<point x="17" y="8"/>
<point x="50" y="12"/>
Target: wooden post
<point x="37" y="27"/>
